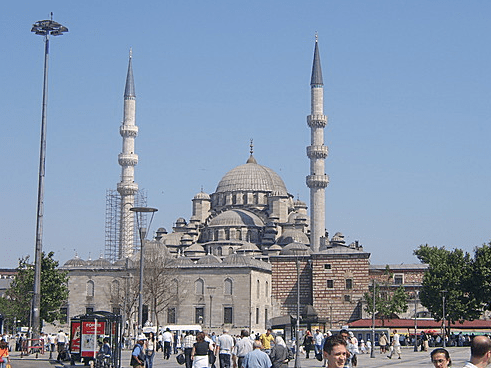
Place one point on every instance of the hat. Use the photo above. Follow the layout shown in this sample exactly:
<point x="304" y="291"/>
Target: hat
<point x="351" y="334"/>
<point x="142" y="337"/>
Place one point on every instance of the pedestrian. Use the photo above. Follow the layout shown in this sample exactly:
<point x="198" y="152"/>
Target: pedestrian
<point x="200" y="351"/>
<point x="240" y="350"/>
<point x="383" y="343"/>
<point x="4" y="354"/>
<point x="280" y="355"/>
<point x="187" y="346"/>
<point x="224" y="346"/>
<point x="167" y="338"/>
<point x="335" y="351"/>
<point x="440" y="358"/>
<point x="308" y="343"/>
<point x="150" y="350"/>
<point x="318" y="338"/>
<point x="396" y="346"/>
<point x="480" y="352"/>
<point x="61" y="341"/>
<point x="266" y="340"/>
<point x="256" y="358"/>
<point x="138" y="353"/>
<point x="369" y="346"/>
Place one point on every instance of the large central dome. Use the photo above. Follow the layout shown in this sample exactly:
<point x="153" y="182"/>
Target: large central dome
<point x="252" y="177"/>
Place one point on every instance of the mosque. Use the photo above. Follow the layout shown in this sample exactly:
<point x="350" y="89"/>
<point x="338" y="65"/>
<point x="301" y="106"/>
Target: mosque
<point x="246" y="257"/>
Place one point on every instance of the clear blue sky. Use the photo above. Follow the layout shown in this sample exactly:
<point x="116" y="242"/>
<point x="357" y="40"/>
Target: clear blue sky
<point x="407" y="92"/>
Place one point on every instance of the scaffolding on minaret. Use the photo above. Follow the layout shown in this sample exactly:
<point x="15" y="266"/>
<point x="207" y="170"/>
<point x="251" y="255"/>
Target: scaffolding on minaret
<point x="113" y="223"/>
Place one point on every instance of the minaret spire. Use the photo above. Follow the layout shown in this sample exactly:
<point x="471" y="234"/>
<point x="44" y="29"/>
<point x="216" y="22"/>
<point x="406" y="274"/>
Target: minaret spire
<point x="127" y="187"/>
<point x="317" y="152"/>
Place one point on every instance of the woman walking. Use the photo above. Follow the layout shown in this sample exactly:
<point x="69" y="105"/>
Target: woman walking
<point x="200" y="351"/>
<point x="4" y="354"/>
<point x="150" y="346"/>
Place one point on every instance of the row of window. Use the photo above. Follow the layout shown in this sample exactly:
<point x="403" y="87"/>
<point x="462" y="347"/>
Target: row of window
<point x="348" y="284"/>
<point x="199" y="287"/>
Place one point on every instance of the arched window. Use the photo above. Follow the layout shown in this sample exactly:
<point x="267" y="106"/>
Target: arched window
<point x="266" y="289"/>
<point x="199" y="286"/>
<point x="258" y="291"/>
<point x="115" y="289"/>
<point x="219" y="251"/>
<point x="228" y="287"/>
<point x="174" y="287"/>
<point x="230" y="250"/>
<point x="90" y="288"/>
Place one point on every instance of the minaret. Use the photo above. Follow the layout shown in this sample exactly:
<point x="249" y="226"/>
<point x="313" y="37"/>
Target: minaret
<point x="128" y="159"/>
<point x="317" y="180"/>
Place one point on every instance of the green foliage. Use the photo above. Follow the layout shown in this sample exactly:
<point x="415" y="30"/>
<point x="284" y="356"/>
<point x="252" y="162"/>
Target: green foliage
<point x="449" y="273"/>
<point x="479" y="284"/>
<point x="388" y="302"/>
<point x="54" y="291"/>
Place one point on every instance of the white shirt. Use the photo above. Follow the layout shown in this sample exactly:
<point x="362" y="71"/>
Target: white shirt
<point x="167" y="336"/>
<point x="469" y="365"/>
<point x="318" y="338"/>
<point x="226" y="343"/>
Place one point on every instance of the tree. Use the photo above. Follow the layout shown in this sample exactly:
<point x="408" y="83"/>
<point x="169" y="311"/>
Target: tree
<point x="387" y="304"/>
<point x="449" y="273"/>
<point x="479" y="284"/>
<point x="16" y="305"/>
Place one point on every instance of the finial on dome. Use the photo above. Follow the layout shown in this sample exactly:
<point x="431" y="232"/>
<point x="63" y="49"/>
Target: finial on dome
<point x="316" y="37"/>
<point x="251" y="159"/>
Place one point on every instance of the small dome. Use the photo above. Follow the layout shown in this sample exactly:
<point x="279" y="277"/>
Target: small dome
<point x="181" y="222"/>
<point x="208" y="259"/>
<point x="75" y="262"/>
<point x="182" y="261"/>
<point x="195" y="248"/>
<point x="100" y="263"/>
<point x="293" y="236"/>
<point x="238" y="259"/>
<point x="236" y="218"/>
<point x="275" y="247"/>
<point x="338" y="239"/>
<point x="161" y="230"/>
<point x="202" y="195"/>
<point x="299" y="203"/>
<point x="296" y="249"/>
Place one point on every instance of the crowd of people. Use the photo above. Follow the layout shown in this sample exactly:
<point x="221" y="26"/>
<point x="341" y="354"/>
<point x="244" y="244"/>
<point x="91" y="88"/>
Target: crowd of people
<point x="269" y="351"/>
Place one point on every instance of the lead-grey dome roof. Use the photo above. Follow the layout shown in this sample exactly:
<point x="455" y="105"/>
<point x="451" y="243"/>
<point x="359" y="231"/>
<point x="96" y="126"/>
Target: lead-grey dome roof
<point x="293" y="236"/>
<point x="75" y="262"/>
<point x="252" y="177"/>
<point x="236" y="218"/>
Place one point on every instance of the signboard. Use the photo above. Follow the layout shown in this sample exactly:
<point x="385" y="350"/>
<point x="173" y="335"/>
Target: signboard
<point x="90" y="331"/>
<point x="75" y="347"/>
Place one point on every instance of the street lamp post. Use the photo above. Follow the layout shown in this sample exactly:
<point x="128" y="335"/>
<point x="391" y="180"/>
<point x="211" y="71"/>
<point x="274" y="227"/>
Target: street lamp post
<point x="444" y="328"/>
<point x="415" y="319"/>
<point x="372" y="352"/>
<point x="44" y="28"/>
<point x="140" y="211"/>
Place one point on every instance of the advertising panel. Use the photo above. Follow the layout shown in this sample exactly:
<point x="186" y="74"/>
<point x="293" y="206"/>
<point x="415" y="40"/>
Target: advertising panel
<point x="90" y="331"/>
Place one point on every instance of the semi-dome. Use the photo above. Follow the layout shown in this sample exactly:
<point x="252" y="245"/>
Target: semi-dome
<point x="293" y="236"/>
<point x="236" y="218"/>
<point x="252" y="177"/>
<point x="182" y="261"/>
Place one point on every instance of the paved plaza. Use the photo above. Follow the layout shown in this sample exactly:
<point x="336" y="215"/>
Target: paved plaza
<point x="409" y="359"/>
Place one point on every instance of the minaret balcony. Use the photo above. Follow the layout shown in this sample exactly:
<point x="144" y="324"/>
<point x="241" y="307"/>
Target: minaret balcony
<point x="317" y="121"/>
<point x="128" y="159"/>
<point x="317" y="151"/>
<point x="128" y="130"/>
<point x="127" y="188"/>
<point x="317" y="181"/>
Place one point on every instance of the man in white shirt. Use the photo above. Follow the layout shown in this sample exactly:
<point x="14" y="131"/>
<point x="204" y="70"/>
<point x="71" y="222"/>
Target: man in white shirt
<point x="225" y="343"/>
<point x="396" y="344"/>
<point x="480" y="352"/>
<point x="318" y="338"/>
<point x="240" y="350"/>
<point x="168" y="339"/>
